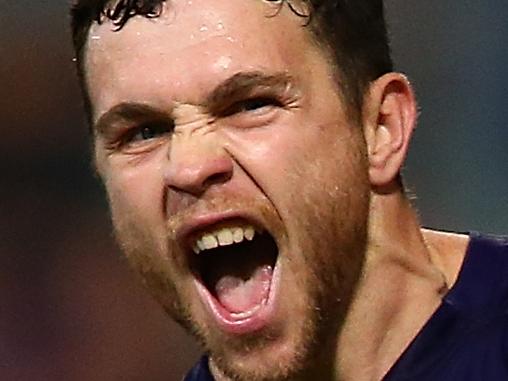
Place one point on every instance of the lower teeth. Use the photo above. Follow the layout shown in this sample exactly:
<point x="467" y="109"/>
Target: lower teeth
<point x="246" y="314"/>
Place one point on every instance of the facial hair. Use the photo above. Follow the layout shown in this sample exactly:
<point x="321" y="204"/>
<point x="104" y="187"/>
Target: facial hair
<point x="328" y="253"/>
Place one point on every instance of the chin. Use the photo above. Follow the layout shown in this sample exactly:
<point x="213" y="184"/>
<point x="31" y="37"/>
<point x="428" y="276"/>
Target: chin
<point x="286" y="349"/>
<point x="266" y="297"/>
<point x="266" y="358"/>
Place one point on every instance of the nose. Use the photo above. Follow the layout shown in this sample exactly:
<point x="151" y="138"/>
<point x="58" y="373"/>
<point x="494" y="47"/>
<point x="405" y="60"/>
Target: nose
<point x="193" y="169"/>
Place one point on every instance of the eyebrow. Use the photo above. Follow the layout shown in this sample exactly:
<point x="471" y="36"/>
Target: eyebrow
<point x="236" y="87"/>
<point x="127" y="111"/>
<point x="243" y="84"/>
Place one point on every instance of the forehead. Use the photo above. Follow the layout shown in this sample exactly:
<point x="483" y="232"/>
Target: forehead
<point x="198" y="42"/>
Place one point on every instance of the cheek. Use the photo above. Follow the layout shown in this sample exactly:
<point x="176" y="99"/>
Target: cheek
<point x="317" y="167"/>
<point x="323" y="196"/>
<point x="136" y="199"/>
<point x="136" y="193"/>
<point x="299" y="162"/>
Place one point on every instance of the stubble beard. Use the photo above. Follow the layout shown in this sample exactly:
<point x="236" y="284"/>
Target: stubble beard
<point x="328" y="289"/>
<point x="329" y="286"/>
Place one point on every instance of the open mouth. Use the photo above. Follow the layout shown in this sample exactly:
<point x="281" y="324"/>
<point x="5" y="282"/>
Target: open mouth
<point x="235" y="264"/>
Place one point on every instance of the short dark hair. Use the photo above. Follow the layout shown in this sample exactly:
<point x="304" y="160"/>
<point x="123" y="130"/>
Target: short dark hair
<point x="353" y="33"/>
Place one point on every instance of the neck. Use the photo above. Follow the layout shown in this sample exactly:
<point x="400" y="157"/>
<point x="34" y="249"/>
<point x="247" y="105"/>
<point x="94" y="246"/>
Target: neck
<point x="407" y="271"/>
<point x="400" y="288"/>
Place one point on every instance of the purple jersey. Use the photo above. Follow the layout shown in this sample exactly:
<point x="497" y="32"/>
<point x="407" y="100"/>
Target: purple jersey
<point x="466" y="339"/>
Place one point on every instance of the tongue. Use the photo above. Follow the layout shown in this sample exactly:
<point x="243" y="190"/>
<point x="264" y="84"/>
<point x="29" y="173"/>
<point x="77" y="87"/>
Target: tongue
<point x="242" y="295"/>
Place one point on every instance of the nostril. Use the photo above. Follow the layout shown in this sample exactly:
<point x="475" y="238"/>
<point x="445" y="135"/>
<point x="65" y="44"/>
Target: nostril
<point x="216" y="171"/>
<point x="193" y="174"/>
<point x="217" y="178"/>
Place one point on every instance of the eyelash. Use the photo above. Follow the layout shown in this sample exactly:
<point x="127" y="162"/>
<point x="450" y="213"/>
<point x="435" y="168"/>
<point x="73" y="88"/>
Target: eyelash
<point x="151" y="130"/>
<point x="155" y="129"/>
<point x="252" y="105"/>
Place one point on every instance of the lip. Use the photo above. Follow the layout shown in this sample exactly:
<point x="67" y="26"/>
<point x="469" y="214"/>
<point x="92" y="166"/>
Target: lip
<point x="245" y="323"/>
<point x="198" y="223"/>
<point x="234" y="324"/>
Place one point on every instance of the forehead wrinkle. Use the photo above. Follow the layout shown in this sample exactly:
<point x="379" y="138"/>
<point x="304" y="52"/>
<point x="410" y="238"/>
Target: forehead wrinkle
<point x="185" y="114"/>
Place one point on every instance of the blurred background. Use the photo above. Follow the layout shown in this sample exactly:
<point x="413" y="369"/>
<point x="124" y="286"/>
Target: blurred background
<point x="69" y="308"/>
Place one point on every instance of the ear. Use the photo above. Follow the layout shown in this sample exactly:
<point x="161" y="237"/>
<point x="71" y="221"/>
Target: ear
<point x="389" y="117"/>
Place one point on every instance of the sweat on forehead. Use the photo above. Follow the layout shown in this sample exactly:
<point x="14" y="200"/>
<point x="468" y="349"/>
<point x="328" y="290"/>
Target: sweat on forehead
<point x="172" y="52"/>
<point x="353" y="33"/>
<point x="120" y="11"/>
<point x="118" y="16"/>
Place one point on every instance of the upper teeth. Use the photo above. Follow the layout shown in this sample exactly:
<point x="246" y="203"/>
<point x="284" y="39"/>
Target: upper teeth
<point x="223" y="237"/>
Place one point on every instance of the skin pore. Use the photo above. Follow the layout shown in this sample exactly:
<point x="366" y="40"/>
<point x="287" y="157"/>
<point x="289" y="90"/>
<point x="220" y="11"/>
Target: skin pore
<point x="215" y="112"/>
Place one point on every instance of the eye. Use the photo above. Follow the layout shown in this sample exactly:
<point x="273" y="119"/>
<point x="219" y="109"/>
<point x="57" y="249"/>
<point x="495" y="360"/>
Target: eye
<point x="257" y="103"/>
<point x="148" y="131"/>
<point x="253" y="105"/>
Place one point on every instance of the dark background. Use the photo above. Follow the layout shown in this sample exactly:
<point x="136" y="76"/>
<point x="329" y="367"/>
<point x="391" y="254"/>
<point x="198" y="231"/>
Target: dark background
<point x="69" y="308"/>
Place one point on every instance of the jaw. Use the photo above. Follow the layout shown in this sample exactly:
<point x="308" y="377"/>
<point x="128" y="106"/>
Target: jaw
<point x="245" y="332"/>
<point x="300" y="335"/>
<point x="241" y="340"/>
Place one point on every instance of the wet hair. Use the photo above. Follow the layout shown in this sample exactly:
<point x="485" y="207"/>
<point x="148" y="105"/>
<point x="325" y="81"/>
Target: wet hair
<point x="353" y="34"/>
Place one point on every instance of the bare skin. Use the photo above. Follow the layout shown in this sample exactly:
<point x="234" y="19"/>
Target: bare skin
<point x="216" y="114"/>
<point x="414" y="268"/>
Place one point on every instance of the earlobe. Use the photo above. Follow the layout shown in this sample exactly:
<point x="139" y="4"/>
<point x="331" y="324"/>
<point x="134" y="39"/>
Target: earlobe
<point x="389" y="120"/>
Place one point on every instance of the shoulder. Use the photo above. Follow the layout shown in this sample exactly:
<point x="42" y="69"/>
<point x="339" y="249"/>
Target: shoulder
<point x="472" y="257"/>
<point x="447" y="251"/>
<point x="482" y="283"/>
<point x="467" y="337"/>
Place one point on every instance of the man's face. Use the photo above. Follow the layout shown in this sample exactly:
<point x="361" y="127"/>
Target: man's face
<point x="213" y="122"/>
